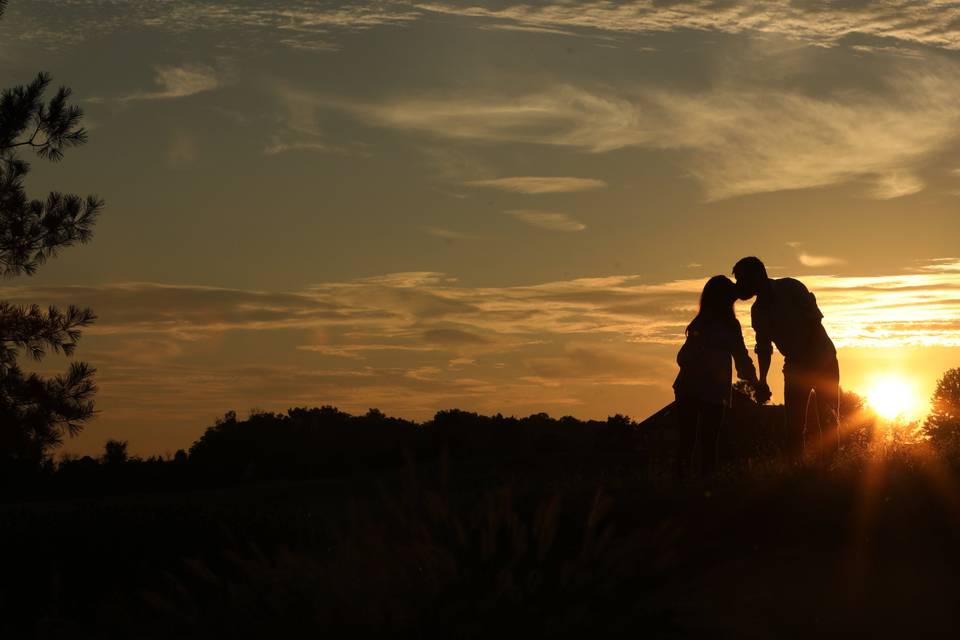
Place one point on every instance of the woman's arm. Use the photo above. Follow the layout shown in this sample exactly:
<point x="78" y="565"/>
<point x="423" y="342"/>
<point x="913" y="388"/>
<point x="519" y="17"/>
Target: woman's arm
<point x="741" y="358"/>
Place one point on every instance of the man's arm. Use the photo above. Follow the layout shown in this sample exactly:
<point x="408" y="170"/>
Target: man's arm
<point x="764" y="351"/>
<point x="761" y="392"/>
<point x="763" y="361"/>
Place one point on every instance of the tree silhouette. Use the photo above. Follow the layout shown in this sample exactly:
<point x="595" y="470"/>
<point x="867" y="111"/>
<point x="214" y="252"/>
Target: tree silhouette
<point x="943" y="423"/>
<point x="115" y="452"/>
<point x="36" y="412"/>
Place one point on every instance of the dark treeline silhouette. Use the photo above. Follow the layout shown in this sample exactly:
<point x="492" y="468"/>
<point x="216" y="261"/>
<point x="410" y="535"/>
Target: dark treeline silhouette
<point x="327" y="443"/>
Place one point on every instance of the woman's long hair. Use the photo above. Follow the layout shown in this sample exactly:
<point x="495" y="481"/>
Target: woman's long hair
<point x="716" y="303"/>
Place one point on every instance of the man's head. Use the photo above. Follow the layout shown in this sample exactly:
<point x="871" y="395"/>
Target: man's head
<point x="751" y="275"/>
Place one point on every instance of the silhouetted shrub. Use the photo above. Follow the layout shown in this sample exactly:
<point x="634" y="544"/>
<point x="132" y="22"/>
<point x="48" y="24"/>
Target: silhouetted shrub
<point x="943" y="423"/>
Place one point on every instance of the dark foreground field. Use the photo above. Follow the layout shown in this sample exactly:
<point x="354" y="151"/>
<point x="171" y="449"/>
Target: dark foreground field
<point x="596" y="542"/>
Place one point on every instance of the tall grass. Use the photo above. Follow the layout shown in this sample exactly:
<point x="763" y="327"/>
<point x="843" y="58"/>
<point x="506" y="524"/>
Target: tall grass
<point x="445" y="547"/>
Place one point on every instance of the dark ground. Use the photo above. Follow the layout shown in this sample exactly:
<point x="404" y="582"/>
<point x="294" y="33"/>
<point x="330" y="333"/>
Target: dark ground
<point x="567" y="546"/>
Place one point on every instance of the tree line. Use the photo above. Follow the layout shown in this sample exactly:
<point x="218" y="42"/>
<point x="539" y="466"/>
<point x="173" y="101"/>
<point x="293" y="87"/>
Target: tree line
<point x="324" y="442"/>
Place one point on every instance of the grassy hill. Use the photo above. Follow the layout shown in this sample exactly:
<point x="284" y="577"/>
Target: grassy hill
<point x="470" y="526"/>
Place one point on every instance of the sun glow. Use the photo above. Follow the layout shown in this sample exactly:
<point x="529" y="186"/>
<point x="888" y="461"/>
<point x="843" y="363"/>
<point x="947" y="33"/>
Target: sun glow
<point x="894" y="397"/>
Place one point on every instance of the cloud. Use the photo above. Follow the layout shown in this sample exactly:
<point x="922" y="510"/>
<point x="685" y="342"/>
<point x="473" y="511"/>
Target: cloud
<point x="905" y="52"/>
<point x="357" y="351"/>
<point x="809" y="260"/>
<point x="449" y="336"/>
<point x="896" y="185"/>
<point x="539" y="184"/>
<point x="276" y="147"/>
<point x="298" y="128"/>
<point x="402" y="309"/>
<point x="933" y="24"/>
<point x="564" y="116"/>
<point x="547" y="220"/>
<point x="945" y="265"/>
<point x="527" y="29"/>
<point x="297" y="24"/>
<point x="175" y="356"/>
<point x="594" y="364"/>
<point x="918" y="309"/>
<point x="178" y="82"/>
<point x="447" y="234"/>
<point x="311" y="26"/>
<point x="369" y="319"/>
<point x="735" y="140"/>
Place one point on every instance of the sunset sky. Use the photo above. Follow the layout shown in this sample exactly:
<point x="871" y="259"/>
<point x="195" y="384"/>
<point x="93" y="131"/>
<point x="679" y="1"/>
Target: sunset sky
<point x="497" y="207"/>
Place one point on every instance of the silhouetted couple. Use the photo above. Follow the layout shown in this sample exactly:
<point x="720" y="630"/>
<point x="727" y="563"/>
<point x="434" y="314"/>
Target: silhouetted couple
<point x="784" y="314"/>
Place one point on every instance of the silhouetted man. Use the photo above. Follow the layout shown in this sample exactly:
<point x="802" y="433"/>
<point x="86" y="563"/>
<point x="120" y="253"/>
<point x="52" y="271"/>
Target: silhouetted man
<point x="785" y="314"/>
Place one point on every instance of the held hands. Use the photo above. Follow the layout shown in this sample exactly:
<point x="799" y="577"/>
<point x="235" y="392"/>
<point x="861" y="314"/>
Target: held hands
<point x="761" y="392"/>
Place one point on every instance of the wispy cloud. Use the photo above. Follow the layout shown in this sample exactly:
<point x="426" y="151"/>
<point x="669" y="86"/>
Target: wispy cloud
<point x="906" y="52"/>
<point x="305" y="25"/>
<point x="738" y="140"/>
<point x="896" y="185"/>
<point x="540" y="184"/>
<point x="547" y="220"/>
<point x="297" y="24"/>
<point x="527" y="29"/>
<point x="407" y="306"/>
<point x="298" y="128"/>
<point x="920" y="308"/>
<point x="176" y="82"/>
<point x="276" y="147"/>
<point x="933" y="24"/>
<point x="810" y="260"/>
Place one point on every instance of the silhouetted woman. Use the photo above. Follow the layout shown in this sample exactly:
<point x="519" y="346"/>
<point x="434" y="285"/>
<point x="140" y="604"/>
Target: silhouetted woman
<point x="702" y="388"/>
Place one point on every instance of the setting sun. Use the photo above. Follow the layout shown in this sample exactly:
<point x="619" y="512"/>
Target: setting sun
<point x="892" y="396"/>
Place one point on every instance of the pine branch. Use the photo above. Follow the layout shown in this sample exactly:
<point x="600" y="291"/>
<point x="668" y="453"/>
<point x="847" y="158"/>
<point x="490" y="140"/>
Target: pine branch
<point x="34" y="331"/>
<point x="45" y="409"/>
<point x="33" y="231"/>
<point x="52" y="127"/>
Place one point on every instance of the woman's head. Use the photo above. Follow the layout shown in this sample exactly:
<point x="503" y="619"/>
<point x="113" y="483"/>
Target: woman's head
<point x="716" y="301"/>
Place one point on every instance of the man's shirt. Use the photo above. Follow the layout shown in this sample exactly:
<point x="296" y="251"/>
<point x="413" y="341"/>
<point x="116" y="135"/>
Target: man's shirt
<point x="786" y="315"/>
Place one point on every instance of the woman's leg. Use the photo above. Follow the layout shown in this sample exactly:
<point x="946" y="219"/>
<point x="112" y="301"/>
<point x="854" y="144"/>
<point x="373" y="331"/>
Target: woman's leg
<point x="711" y="418"/>
<point x="688" y="415"/>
